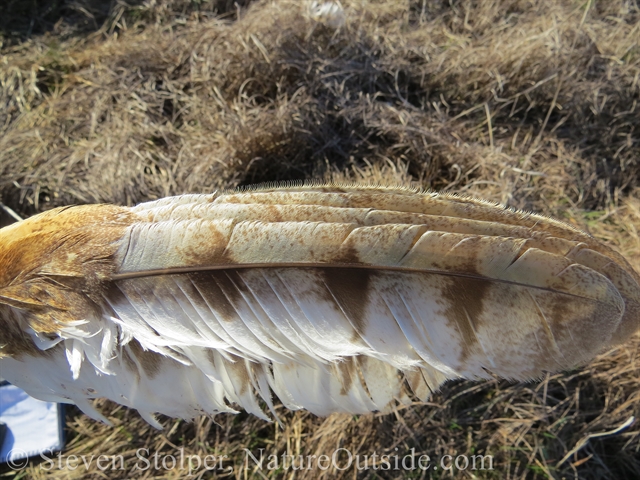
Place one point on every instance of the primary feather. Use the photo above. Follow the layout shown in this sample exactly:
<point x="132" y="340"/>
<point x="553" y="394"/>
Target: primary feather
<point x="327" y="298"/>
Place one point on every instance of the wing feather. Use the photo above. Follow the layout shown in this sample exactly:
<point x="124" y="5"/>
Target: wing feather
<point x="326" y="298"/>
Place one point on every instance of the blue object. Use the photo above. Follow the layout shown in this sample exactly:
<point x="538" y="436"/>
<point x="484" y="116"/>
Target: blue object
<point x="33" y="426"/>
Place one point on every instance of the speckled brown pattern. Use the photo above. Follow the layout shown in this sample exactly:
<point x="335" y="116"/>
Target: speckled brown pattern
<point x="53" y="267"/>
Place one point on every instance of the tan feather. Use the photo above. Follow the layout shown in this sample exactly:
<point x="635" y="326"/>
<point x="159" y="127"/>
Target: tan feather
<point x="330" y="298"/>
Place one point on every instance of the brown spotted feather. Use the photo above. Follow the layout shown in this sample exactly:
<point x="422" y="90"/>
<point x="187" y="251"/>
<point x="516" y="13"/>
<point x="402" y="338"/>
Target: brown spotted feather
<point x="327" y="298"/>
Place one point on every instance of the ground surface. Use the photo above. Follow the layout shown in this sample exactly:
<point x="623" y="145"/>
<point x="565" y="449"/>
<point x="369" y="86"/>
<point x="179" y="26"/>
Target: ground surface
<point x="531" y="103"/>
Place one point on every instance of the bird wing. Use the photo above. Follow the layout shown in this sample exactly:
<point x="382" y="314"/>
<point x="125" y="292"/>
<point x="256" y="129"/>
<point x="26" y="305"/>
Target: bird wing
<point x="337" y="299"/>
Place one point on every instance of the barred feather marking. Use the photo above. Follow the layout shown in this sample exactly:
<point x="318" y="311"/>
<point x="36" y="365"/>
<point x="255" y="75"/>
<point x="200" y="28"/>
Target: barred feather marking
<point x="326" y="298"/>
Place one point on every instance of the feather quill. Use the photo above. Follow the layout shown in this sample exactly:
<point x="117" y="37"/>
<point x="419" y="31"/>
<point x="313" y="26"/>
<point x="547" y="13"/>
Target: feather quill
<point x="328" y="298"/>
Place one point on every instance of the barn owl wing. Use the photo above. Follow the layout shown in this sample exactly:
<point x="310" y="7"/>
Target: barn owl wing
<point x="330" y="299"/>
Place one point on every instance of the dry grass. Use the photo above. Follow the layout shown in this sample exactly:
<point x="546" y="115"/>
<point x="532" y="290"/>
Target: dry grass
<point x="531" y="103"/>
